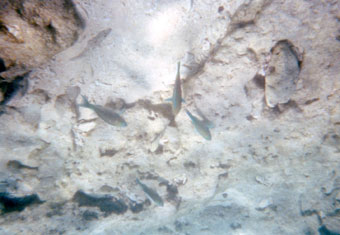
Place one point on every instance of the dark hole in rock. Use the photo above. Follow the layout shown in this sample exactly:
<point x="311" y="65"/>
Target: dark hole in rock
<point x="164" y="108"/>
<point x="172" y="192"/>
<point x="220" y="9"/>
<point x="10" y="89"/>
<point x="259" y="80"/>
<point x="56" y="209"/>
<point x="311" y="101"/>
<point x="2" y="62"/>
<point x="189" y="164"/>
<point x="338" y="38"/>
<point x="244" y="24"/>
<point x="250" y="118"/>
<point x="323" y="230"/>
<point x="19" y="12"/>
<point x="107" y="152"/>
<point x="107" y="204"/>
<point x="291" y="104"/>
<point x="235" y="225"/>
<point x="52" y="31"/>
<point x="223" y="176"/>
<point x="224" y="166"/>
<point x="90" y="215"/>
<point x="11" y="203"/>
<point x="147" y="202"/>
<point x="3" y="28"/>
<point x="135" y="207"/>
<point x="159" y="149"/>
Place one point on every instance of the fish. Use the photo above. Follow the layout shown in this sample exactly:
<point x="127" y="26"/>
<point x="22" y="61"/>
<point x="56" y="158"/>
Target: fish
<point x="176" y="99"/>
<point x="108" y="115"/>
<point x="152" y="194"/>
<point x="15" y="164"/>
<point x="94" y="42"/>
<point x="201" y="126"/>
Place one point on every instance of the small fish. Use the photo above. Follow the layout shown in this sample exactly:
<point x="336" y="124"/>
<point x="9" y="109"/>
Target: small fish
<point x="151" y="193"/>
<point x="176" y="98"/>
<point x="201" y="126"/>
<point x="17" y="165"/>
<point x="108" y="115"/>
<point x="94" y="42"/>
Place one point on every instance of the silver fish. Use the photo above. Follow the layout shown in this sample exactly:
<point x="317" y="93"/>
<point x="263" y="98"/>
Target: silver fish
<point x="108" y="115"/>
<point x="202" y="127"/>
<point x="151" y="193"/>
<point x="176" y="99"/>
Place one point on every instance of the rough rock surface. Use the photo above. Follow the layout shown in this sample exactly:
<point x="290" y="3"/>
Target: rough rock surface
<point x="282" y="73"/>
<point x="267" y="170"/>
<point x="32" y="31"/>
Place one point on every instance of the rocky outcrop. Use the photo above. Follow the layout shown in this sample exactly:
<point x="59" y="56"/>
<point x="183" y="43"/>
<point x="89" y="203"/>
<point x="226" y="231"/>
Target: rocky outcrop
<point x="32" y="32"/>
<point x="271" y="167"/>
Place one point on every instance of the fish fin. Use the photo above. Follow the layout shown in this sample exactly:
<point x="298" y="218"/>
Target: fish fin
<point x="85" y="103"/>
<point x="138" y="181"/>
<point x="168" y="99"/>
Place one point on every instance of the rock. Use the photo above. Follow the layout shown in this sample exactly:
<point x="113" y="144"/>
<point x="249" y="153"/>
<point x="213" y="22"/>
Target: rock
<point x="33" y="31"/>
<point x="90" y="215"/>
<point x="106" y="204"/>
<point x="323" y="230"/>
<point x="274" y="168"/>
<point x="282" y="73"/>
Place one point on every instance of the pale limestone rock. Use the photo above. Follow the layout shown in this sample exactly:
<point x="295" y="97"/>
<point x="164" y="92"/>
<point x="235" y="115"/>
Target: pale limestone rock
<point x="282" y="74"/>
<point x="270" y="168"/>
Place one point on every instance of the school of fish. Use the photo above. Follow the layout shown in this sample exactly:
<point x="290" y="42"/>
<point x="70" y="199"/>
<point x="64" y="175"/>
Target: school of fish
<point x="114" y="119"/>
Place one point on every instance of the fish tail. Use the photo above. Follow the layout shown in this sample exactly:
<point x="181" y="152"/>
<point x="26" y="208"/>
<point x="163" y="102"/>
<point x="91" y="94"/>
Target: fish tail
<point x="189" y="114"/>
<point x="178" y="68"/>
<point x="85" y="103"/>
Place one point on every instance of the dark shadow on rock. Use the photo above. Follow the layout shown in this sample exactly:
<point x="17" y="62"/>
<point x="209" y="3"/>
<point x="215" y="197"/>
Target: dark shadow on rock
<point x="10" y="203"/>
<point x="10" y="89"/>
<point x="2" y="64"/>
<point x="323" y="230"/>
<point x="136" y="207"/>
<point x="107" y="204"/>
<point x="90" y="215"/>
<point x="164" y="108"/>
